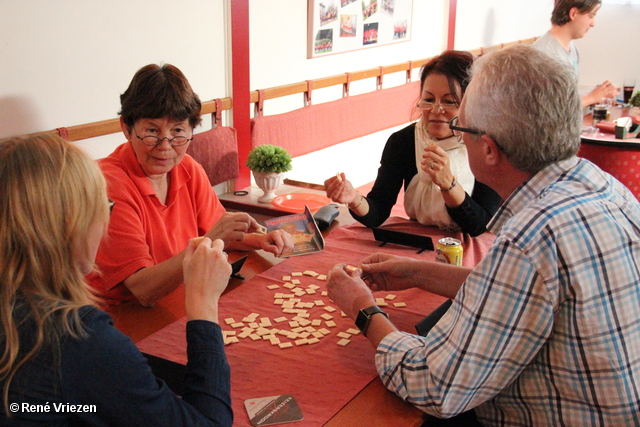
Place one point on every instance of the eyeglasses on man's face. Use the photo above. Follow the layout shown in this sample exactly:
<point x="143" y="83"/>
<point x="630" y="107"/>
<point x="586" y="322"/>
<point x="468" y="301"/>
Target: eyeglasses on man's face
<point x="459" y="130"/>
<point x="445" y="106"/>
<point x="152" y="141"/>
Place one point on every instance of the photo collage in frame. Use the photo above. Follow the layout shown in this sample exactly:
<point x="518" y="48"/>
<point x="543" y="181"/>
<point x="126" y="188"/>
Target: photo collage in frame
<point x="337" y="26"/>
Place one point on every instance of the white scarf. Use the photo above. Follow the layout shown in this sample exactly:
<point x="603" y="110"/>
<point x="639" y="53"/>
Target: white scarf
<point x="423" y="199"/>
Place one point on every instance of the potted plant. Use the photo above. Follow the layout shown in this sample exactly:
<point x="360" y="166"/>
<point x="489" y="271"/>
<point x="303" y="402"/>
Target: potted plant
<point x="268" y="163"/>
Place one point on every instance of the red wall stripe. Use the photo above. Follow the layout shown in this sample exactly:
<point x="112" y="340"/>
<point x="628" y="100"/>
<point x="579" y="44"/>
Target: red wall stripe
<point x="241" y="86"/>
<point x="451" y="25"/>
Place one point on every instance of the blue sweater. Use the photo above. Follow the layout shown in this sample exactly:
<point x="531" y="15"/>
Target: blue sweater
<point x="106" y="377"/>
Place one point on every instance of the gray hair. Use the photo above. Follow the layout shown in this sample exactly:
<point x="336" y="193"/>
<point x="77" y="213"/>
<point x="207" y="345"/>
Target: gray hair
<point x="528" y="102"/>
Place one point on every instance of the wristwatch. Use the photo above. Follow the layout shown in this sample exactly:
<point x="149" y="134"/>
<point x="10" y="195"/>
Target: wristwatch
<point x="364" y="317"/>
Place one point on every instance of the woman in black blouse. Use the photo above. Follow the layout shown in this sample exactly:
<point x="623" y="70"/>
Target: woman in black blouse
<point x="428" y="160"/>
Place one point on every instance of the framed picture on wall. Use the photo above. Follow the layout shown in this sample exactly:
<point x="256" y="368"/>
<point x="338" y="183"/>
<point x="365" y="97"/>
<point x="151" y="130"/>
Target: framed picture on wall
<point x="337" y="26"/>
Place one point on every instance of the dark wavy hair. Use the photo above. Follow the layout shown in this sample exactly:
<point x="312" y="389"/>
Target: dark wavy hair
<point x="156" y="92"/>
<point x="560" y="14"/>
<point x="454" y="65"/>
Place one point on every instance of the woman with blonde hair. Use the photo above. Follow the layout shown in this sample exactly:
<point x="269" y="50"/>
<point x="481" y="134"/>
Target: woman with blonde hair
<point x="62" y="360"/>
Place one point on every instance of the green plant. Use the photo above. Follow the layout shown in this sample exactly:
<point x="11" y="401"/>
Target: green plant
<point x="269" y="158"/>
<point x="635" y="99"/>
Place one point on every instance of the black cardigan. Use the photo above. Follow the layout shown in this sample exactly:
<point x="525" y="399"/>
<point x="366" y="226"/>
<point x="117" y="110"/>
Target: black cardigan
<point x="398" y="167"/>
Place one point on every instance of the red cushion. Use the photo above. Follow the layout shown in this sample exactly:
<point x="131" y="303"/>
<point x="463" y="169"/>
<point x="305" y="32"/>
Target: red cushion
<point x="217" y="151"/>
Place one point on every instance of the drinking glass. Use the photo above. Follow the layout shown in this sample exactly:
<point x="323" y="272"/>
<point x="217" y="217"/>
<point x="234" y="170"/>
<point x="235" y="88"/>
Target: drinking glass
<point x="599" y="114"/>
<point x="628" y="86"/>
<point x="608" y="102"/>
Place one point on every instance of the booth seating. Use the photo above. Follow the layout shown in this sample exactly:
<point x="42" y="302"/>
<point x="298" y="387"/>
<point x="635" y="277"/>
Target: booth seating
<point x="314" y="127"/>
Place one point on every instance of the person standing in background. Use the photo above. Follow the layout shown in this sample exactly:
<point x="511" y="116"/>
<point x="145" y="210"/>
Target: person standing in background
<point x="571" y="20"/>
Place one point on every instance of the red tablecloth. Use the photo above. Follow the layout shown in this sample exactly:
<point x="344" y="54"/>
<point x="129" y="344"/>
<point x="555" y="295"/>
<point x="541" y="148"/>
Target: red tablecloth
<point x="360" y="238"/>
<point x="323" y="377"/>
<point x="621" y="162"/>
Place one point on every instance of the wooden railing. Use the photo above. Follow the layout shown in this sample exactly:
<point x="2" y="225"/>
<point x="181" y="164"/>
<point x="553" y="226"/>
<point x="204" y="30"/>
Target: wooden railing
<point x="341" y="79"/>
<point x="106" y="127"/>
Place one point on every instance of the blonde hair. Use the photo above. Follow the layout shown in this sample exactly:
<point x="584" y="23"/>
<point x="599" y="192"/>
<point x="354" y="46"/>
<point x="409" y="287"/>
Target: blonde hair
<point x="51" y="193"/>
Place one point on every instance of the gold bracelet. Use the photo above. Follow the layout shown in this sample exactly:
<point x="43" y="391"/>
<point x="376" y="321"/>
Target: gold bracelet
<point x="453" y="184"/>
<point x="361" y="200"/>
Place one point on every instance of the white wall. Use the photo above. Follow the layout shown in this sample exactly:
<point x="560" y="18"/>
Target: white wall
<point x="279" y="50"/>
<point x="281" y="42"/>
<point x="279" y="56"/>
<point x="610" y="50"/>
<point x="66" y="62"/>
<point x="276" y="63"/>
<point x="490" y="22"/>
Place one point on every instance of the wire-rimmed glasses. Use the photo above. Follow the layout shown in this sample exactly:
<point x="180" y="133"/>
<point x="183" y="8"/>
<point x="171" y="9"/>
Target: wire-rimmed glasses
<point x="446" y="106"/>
<point x="152" y="141"/>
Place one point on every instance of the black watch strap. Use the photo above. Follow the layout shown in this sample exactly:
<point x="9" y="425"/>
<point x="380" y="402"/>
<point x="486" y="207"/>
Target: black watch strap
<point x="364" y="317"/>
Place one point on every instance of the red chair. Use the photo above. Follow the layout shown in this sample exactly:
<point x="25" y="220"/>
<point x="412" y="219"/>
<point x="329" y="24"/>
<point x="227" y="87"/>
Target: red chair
<point x="216" y="150"/>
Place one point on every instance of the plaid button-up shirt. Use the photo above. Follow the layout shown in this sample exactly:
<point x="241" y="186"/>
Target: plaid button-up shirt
<point x="546" y="330"/>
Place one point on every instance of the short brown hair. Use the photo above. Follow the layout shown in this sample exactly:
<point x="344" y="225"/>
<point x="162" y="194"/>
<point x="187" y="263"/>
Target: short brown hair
<point x="560" y="14"/>
<point x="156" y="92"/>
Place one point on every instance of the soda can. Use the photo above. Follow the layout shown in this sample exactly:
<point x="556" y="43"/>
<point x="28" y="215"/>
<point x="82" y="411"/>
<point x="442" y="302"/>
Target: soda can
<point x="449" y="251"/>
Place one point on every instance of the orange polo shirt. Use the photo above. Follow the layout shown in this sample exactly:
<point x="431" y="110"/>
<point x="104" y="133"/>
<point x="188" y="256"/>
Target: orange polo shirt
<point x="142" y="231"/>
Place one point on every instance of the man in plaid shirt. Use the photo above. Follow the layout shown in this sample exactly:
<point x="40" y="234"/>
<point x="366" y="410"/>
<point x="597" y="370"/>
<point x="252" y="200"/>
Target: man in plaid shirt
<point x="545" y="331"/>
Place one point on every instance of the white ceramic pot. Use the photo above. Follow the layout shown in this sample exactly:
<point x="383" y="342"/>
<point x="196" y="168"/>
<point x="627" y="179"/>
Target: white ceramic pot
<point x="268" y="183"/>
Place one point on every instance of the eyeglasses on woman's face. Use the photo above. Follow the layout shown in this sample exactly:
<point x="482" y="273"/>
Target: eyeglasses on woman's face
<point x="444" y="105"/>
<point x="152" y="141"/>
